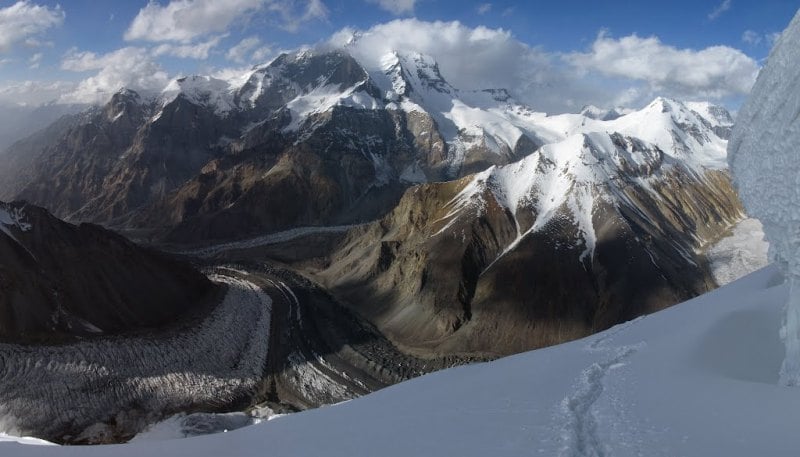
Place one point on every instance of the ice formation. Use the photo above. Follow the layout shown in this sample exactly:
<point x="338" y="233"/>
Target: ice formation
<point x="764" y="155"/>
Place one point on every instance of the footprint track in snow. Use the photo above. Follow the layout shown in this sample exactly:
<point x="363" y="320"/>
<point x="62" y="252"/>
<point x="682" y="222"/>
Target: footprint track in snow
<point x="580" y="432"/>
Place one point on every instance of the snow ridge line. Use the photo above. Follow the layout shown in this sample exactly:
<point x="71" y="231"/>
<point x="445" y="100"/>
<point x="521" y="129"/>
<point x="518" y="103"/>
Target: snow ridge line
<point x="603" y="338"/>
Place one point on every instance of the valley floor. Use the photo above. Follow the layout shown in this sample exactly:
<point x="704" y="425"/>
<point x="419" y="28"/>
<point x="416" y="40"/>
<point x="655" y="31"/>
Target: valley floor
<point x="697" y="379"/>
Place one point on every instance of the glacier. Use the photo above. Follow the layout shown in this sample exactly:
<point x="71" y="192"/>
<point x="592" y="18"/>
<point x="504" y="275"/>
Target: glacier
<point x="129" y="379"/>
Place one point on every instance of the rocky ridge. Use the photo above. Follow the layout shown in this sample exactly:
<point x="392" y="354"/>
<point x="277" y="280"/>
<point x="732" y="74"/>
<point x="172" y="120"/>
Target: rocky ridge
<point x="59" y="281"/>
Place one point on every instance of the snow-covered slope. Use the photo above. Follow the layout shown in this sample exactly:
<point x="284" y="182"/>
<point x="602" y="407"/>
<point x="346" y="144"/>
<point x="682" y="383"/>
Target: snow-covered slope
<point x="570" y="174"/>
<point x="697" y="379"/>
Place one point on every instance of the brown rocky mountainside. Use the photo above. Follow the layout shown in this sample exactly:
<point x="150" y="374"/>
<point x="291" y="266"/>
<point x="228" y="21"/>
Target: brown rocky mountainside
<point x="206" y="159"/>
<point x="573" y="239"/>
<point x="59" y="280"/>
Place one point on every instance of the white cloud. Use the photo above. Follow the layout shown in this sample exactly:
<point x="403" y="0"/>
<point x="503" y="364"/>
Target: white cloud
<point x="238" y="53"/>
<point x="629" y="71"/>
<point x="721" y="8"/>
<point x="35" y="61"/>
<point x="262" y="54"/>
<point x="186" y="20"/>
<point x="396" y="6"/>
<point x="129" y="67"/>
<point x="249" y="49"/>
<point x="197" y="51"/>
<point x="484" y="8"/>
<point x="751" y="37"/>
<point x="495" y="58"/>
<point x="23" y="21"/>
<point x="32" y="93"/>
<point x="715" y="72"/>
<point x="293" y="13"/>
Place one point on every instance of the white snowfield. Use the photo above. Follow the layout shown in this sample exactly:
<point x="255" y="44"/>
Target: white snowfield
<point x="764" y="159"/>
<point x="698" y="379"/>
<point x="221" y="358"/>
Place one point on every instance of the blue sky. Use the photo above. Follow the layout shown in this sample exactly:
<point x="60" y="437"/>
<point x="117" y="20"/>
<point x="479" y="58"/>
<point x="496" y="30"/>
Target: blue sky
<point x="48" y="48"/>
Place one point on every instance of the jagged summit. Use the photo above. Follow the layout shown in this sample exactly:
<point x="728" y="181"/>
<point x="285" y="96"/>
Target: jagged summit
<point x="195" y="150"/>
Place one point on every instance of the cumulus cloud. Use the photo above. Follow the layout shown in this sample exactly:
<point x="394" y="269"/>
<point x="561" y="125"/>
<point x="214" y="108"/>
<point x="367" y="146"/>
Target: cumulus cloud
<point x="496" y="58"/>
<point x="186" y="20"/>
<point x="484" y="8"/>
<point x="751" y="37"/>
<point x="250" y="49"/>
<point x="262" y="54"/>
<point x="629" y="71"/>
<point x="35" y="61"/>
<point x="23" y="21"/>
<point x="715" y="72"/>
<point x="129" y="67"/>
<point x="721" y="8"/>
<point x="754" y="38"/>
<point x="33" y="92"/>
<point x="396" y="6"/>
<point x="293" y="16"/>
<point x="238" y="53"/>
<point x="198" y="51"/>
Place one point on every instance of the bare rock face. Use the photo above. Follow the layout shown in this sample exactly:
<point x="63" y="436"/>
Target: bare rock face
<point x="573" y="239"/>
<point x="58" y="280"/>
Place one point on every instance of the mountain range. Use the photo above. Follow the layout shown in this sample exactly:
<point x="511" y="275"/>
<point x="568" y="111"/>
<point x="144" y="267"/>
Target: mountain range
<point x="425" y="225"/>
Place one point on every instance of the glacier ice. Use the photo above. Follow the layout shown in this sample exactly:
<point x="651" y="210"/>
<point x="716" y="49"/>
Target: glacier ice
<point x="764" y="155"/>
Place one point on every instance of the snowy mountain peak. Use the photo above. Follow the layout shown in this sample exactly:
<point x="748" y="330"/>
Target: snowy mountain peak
<point x="126" y="94"/>
<point x="679" y="131"/>
<point x="565" y="178"/>
<point x="394" y="71"/>
<point x="206" y="91"/>
<point x="124" y="101"/>
<point x="715" y="114"/>
<point x="419" y="71"/>
<point x="601" y="114"/>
